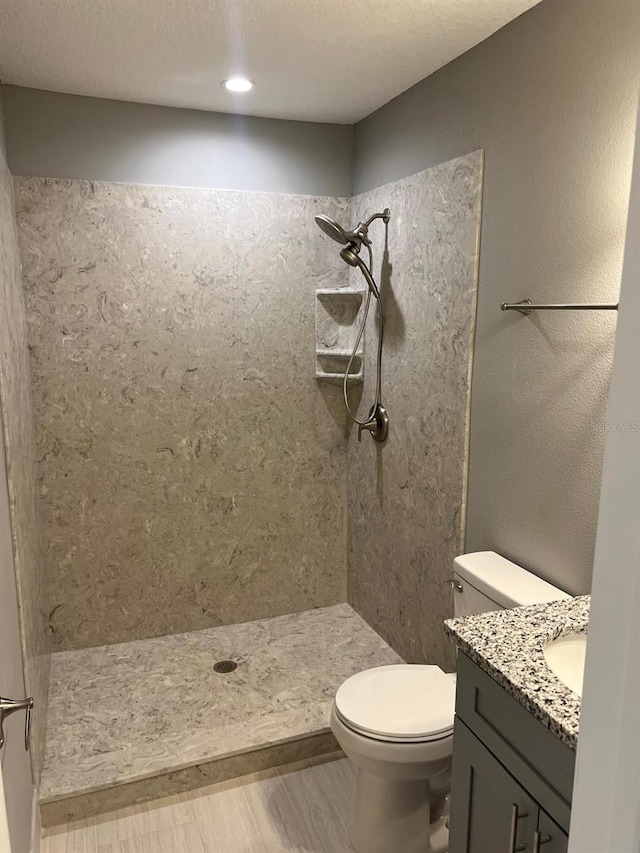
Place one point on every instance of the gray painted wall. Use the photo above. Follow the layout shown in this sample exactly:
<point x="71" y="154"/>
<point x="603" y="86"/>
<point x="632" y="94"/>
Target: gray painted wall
<point x="69" y="136"/>
<point x="552" y="100"/>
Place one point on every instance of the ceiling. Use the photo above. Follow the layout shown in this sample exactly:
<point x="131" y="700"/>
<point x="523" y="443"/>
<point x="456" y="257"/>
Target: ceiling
<point x="313" y="60"/>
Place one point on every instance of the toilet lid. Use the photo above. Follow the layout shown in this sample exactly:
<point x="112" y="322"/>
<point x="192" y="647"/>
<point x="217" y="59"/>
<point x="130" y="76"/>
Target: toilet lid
<point x="401" y="702"/>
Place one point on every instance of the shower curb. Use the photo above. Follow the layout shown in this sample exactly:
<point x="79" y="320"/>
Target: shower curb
<point x="84" y="805"/>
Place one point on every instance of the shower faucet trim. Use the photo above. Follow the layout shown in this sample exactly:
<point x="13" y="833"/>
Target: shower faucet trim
<point x="377" y="423"/>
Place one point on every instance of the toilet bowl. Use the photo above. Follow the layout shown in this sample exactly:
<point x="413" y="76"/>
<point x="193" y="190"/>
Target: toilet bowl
<point x="395" y="723"/>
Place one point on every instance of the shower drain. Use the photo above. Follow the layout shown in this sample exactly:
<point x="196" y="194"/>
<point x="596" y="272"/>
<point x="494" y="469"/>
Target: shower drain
<point x="225" y="666"/>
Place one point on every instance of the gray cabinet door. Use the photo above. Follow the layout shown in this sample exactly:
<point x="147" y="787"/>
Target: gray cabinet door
<point x="490" y="811"/>
<point x="552" y="838"/>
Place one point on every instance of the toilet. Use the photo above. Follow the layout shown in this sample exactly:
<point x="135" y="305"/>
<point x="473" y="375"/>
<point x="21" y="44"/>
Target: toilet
<point x="395" y="723"/>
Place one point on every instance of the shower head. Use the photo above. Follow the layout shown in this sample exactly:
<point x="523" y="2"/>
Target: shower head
<point x="332" y="229"/>
<point x="351" y="240"/>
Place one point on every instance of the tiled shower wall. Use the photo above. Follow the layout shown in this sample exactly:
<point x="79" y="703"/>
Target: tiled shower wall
<point x="17" y="417"/>
<point x="192" y="471"/>
<point x="406" y="500"/>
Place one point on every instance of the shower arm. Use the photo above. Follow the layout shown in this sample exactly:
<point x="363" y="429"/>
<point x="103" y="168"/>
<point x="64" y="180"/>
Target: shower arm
<point x="363" y="228"/>
<point x="386" y="215"/>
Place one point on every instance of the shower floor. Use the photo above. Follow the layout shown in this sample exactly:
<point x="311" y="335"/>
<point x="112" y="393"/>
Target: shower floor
<point x="139" y="720"/>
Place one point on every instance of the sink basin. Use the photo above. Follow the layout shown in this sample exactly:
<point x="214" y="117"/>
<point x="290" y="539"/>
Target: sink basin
<point x="565" y="658"/>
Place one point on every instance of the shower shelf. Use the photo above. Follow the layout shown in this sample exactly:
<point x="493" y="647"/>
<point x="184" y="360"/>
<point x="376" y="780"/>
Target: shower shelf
<point x="338" y="317"/>
<point x="338" y="353"/>
<point x="340" y="292"/>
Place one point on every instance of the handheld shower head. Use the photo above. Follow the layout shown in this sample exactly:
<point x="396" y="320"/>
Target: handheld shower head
<point x="350" y="254"/>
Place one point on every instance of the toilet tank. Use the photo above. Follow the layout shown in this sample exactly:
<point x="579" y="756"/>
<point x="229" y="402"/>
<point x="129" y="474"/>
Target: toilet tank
<point x="486" y="581"/>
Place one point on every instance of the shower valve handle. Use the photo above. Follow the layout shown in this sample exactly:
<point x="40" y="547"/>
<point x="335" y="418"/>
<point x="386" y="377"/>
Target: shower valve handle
<point x="370" y="425"/>
<point x="377" y="424"/>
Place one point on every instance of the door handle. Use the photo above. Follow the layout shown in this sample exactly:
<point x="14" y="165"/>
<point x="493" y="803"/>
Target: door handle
<point x="10" y="706"/>
<point x="516" y="815"/>
<point x="539" y="839"/>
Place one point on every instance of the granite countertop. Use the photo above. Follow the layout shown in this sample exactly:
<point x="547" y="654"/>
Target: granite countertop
<point x="508" y="646"/>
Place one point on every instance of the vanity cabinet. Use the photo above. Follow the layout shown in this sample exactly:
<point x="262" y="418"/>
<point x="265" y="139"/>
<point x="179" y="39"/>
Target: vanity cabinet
<point x="512" y="778"/>
<point x="493" y="813"/>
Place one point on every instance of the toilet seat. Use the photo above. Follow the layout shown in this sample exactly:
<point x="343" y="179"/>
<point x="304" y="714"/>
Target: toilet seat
<point x="402" y="703"/>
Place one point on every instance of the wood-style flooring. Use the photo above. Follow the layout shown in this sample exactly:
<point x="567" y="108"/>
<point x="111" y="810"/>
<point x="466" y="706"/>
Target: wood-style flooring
<point x="299" y="809"/>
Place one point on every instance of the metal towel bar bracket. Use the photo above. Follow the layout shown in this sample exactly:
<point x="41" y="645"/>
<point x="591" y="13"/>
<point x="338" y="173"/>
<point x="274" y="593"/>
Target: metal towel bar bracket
<point x="526" y="306"/>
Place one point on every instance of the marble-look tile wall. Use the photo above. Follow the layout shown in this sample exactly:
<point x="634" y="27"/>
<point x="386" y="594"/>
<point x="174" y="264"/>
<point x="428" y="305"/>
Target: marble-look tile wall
<point x="17" y="418"/>
<point x="192" y="471"/>
<point x="406" y="499"/>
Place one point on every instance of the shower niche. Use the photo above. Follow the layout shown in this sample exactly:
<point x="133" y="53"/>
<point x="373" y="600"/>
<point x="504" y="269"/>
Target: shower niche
<point x="338" y="318"/>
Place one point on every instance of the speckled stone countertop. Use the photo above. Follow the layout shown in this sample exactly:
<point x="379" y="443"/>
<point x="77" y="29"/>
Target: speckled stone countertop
<point x="508" y="646"/>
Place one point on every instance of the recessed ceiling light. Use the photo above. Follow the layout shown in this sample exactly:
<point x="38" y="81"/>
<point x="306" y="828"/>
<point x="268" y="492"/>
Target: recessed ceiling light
<point x="238" y="84"/>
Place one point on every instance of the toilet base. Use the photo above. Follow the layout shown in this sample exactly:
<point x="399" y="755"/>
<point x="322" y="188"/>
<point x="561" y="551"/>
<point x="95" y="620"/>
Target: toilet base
<point x="400" y="802"/>
<point x="390" y="815"/>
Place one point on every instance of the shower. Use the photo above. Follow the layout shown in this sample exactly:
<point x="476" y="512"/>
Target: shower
<point x="377" y="422"/>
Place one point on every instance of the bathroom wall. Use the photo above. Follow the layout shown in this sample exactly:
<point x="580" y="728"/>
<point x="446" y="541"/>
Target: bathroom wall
<point x="552" y="99"/>
<point x="406" y="498"/>
<point x="70" y="136"/>
<point x="192" y="471"/>
<point x="17" y="421"/>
